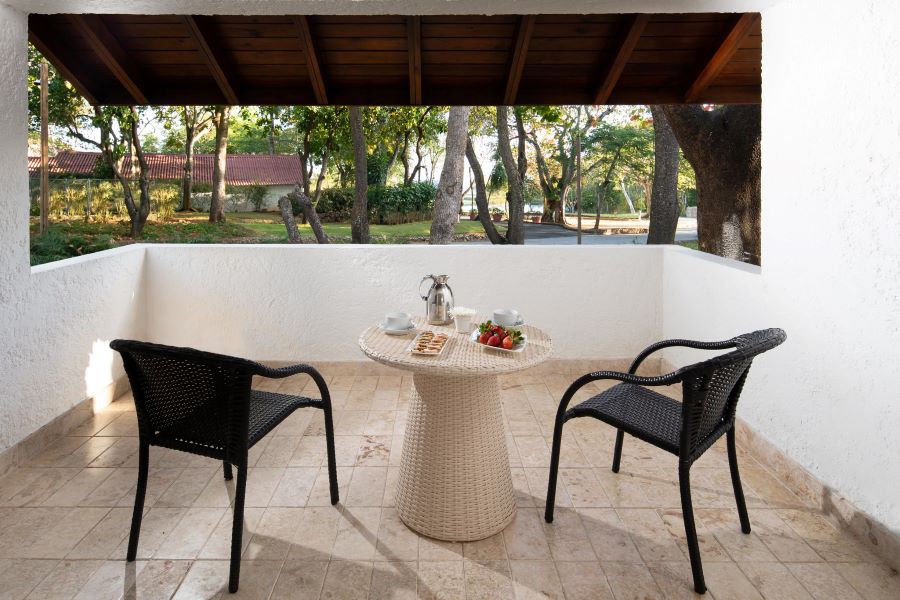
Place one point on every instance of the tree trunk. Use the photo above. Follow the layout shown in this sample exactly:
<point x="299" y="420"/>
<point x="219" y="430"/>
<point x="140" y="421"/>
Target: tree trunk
<point x="723" y="146"/>
<point x="287" y="215"/>
<point x="481" y="199"/>
<point x="631" y="208"/>
<point x="449" y="191"/>
<point x="187" y="181"/>
<point x="359" y="214"/>
<point x="217" y="200"/>
<point x="312" y="217"/>
<point x="604" y="188"/>
<point x="515" y="233"/>
<point x="137" y="223"/>
<point x="664" y="195"/>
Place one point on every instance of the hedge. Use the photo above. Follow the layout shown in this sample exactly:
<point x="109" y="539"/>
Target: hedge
<point x="387" y="204"/>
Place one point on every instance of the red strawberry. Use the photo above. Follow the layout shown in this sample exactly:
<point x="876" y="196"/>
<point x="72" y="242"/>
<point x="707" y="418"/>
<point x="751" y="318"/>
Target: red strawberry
<point x="483" y="339"/>
<point x="494" y="340"/>
<point x="508" y="342"/>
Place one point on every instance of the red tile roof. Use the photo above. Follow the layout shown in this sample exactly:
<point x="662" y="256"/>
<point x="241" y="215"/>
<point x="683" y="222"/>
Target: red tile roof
<point x="241" y="169"/>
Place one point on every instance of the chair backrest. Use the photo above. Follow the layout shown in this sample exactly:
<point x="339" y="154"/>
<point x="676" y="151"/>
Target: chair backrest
<point x="189" y="399"/>
<point x="713" y="387"/>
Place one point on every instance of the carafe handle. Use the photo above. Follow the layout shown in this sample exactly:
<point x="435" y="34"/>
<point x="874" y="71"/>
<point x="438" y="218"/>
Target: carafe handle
<point x="424" y="279"/>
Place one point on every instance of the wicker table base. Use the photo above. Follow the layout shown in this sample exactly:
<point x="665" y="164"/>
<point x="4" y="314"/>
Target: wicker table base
<point x="455" y="482"/>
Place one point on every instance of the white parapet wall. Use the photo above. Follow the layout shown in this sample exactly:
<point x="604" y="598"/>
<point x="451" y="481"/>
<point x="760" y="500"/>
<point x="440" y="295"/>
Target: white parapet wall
<point x="311" y="302"/>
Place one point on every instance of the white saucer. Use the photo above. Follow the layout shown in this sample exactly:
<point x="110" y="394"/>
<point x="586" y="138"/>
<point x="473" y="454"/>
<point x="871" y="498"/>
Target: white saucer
<point x="518" y="323"/>
<point x="390" y="331"/>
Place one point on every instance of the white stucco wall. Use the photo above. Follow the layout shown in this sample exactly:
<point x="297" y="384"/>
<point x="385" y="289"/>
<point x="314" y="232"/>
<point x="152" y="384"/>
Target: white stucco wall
<point x="311" y="302"/>
<point x="830" y="397"/>
<point x="51" y="317"/>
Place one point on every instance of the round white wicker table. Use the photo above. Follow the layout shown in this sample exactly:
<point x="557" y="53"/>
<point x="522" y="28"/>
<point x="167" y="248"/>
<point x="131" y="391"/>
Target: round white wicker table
<point x="455" y="482"/>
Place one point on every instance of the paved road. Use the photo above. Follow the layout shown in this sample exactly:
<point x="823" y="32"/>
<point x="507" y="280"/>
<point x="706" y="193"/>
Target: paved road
<point x="552" y="235"/>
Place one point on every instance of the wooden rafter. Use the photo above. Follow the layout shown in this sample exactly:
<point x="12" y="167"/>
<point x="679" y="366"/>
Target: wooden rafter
<point x="312" y="59"/>
<point x="517" y="64"/>
<point x="414" y="50"/>
<point x="218" y="67"/>
<point x="738" y="33"/>
<point x="107" y="48"/>
<point x="43" y="41"/>
<point x="635" y="29"/>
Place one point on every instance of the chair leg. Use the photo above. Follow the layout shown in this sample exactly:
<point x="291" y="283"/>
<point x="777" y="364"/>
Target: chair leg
<point x="140" y="493"/>
<point x="617" y="452"/>
<point x="226" y="468"/>
<point x="329" y="443"/>
<point x="554" y="467"/>
<point x="736" y="482"/>
<point x="690" y="529"/>
<point x="237" y="529"/>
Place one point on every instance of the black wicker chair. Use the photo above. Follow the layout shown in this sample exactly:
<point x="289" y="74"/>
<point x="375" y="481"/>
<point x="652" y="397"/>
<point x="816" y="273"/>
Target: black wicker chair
<point x="202" y="403"/>
<point x="710" y="393"/>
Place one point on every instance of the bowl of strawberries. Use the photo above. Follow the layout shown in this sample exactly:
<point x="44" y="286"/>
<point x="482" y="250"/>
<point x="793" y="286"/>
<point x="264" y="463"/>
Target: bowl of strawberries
<point x="497" y="337"/>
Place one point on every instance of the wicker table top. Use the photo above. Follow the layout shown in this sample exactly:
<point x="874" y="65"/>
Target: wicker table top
<point x="460" y="357"/>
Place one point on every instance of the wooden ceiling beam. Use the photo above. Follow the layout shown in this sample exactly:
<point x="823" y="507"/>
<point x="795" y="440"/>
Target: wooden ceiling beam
<point x="41" y="38"/>
<point x="414" y="50"/>
<point x="218" y="67"/>
<point x="312" y="59"/>
<point x="632" y="36"/>
<point x="736" y="35"/>
<point x="107" y="48"/>
<point x="517" y="63"/>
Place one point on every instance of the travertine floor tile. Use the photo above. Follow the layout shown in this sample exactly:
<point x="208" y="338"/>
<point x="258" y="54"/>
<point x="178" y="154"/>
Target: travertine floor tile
<point x="65" y="517"/>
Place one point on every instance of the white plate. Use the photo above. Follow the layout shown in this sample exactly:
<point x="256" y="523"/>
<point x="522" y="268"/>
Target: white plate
<point x="412" y="345"/>
<point x="389" y="331"/>
<point x="521" y="347"/>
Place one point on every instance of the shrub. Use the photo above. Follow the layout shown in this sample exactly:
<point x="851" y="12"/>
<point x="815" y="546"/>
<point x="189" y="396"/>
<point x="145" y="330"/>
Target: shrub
<point x="256" y="195"/>
<point x="386" y="203"/>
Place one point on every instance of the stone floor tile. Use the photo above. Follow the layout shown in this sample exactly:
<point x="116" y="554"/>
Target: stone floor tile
<point x="631" y="581"/>
<point x="488" y="580"/>
<point x="525" y="538"/>
<point x="726" y="581"/>
<point x="347" y="580"/>
<point x="64" y="581"/>
<point x="441" y="580"/>
<point x="872" y="581"/>
<point x="300" y="580"/>
<point x="608" y="535"/>
<point x="774" y="580"/>
<point x="534" y="579"/>
<point x="822" y="581"/>
<point x="584" y="581"/>
<point x="20" y="576"/>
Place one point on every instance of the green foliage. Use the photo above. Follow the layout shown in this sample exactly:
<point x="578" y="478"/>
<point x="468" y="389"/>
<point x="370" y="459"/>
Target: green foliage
<point x="386" y="203"/>
<point x="55" y="245"/>
<point x="256" y="195"/>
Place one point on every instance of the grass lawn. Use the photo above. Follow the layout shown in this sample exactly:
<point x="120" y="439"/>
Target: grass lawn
<point x="75" y="237"/>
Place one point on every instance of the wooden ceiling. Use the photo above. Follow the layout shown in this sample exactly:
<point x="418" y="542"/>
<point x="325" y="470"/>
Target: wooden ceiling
<point x="401" y="60"/>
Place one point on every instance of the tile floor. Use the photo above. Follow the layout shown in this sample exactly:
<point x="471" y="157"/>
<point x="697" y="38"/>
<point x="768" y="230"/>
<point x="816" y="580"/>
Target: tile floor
<point x="64" y="518"/>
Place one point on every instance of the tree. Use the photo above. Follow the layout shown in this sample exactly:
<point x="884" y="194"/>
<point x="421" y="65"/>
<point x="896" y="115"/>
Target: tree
<point x="664" y="207"/>
<point x="194" y="121"/>
<point x="553" y="138"/>
<point x="515" y="233"/>
<point x="723" y="146"/>
<point x="449" y="191"/>
<point x="322" y="134"/>
<point x="113" y="130"/>
<point x="481" y="198"/>
<point x="221" y="116"/>
<point x="359" y="214"/>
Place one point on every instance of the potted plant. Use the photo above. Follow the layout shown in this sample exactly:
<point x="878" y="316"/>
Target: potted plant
<point x="536" y="217"/>
<point x="473" y="215"/>
<point x="496" y="214"/>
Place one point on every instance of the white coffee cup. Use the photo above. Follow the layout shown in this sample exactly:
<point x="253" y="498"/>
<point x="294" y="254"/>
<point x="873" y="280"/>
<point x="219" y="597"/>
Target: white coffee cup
<point x="506" y="317"/>
<point x="397" y="320"/>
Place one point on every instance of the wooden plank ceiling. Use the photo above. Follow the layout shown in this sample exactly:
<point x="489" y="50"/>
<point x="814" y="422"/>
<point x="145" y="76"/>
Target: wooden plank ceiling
<point x="399" y="60"/>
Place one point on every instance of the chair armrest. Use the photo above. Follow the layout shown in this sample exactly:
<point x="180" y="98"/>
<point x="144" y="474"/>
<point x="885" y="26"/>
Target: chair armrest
<point x="282" y="372"/>
<point x="582" y="381"/>
<point x="680" y="343"/>
<point x="270" y="373"/>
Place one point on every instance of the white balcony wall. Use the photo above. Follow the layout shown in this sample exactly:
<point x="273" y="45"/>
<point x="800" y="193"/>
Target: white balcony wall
<point x="830" y="397"/>
<point x="311" y="302"/>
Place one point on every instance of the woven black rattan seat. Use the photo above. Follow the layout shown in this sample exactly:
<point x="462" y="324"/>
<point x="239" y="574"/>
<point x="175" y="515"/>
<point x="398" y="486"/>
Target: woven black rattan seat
<point x="202" y="403"/>
<point x="645" y="414"/>
<point x="710" y="393"/>
<point x="267" y="410"/>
